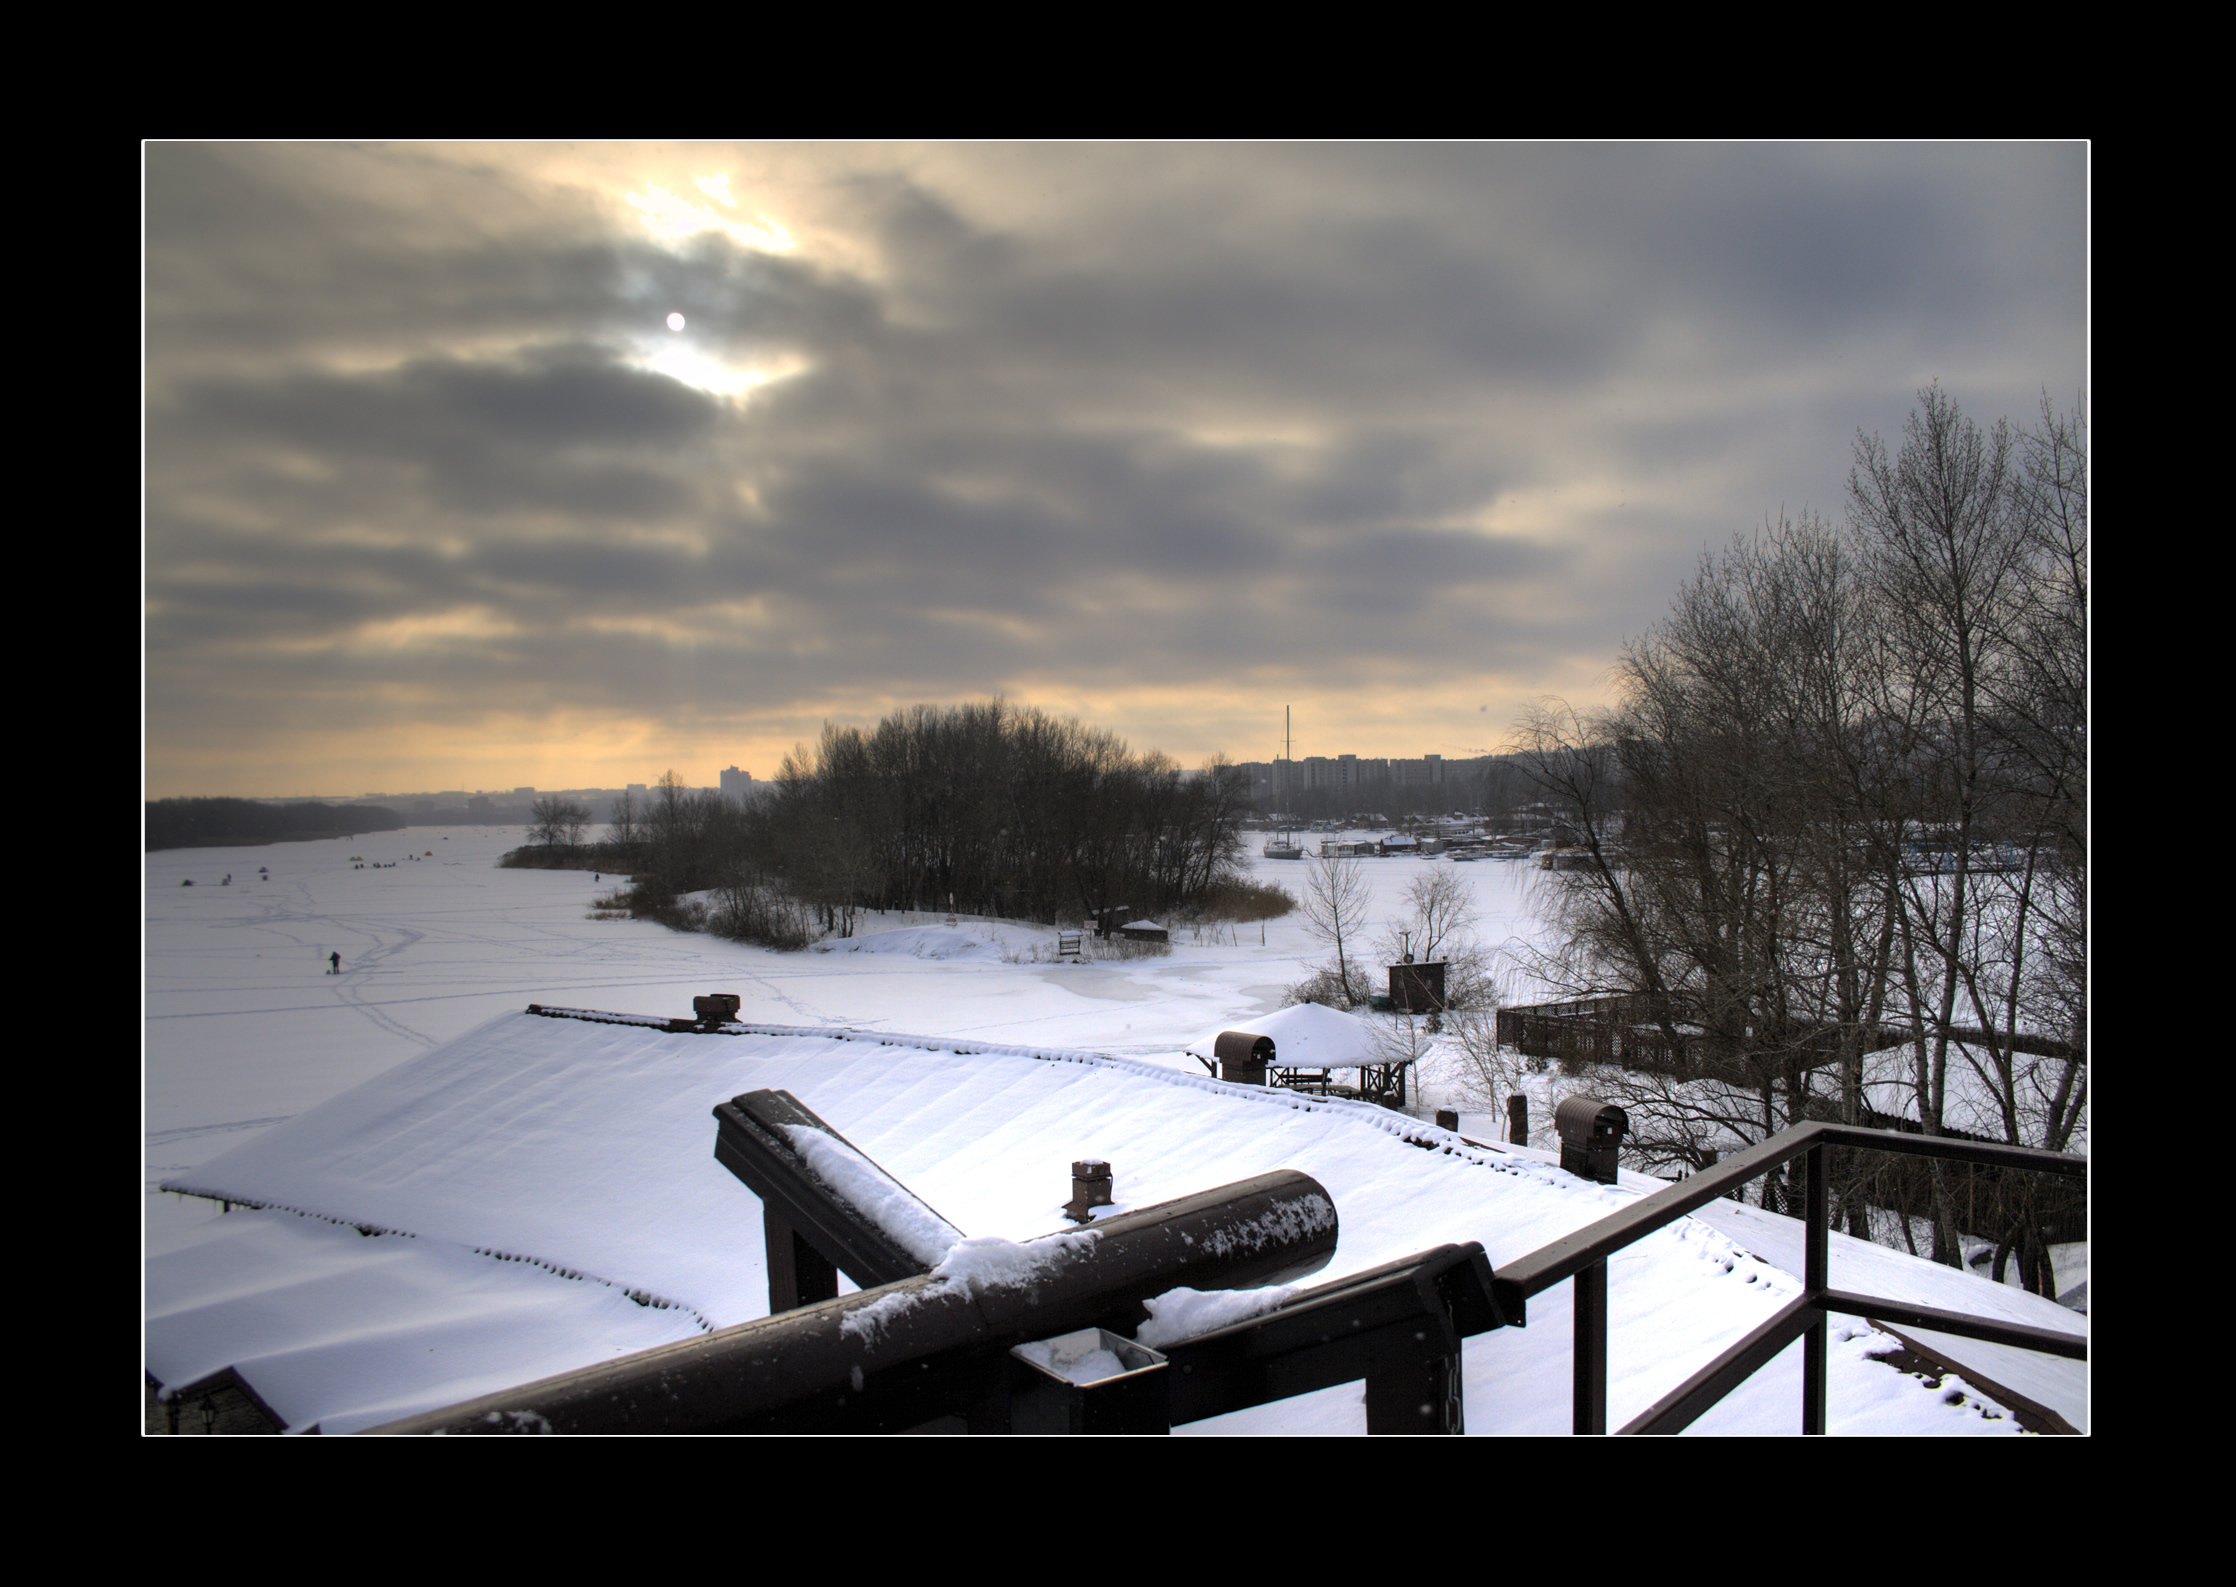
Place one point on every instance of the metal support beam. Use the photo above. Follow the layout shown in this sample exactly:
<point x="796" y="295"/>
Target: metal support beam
<point x="1678" y="1409"/>
<point x="1399" y="1327"/>
<point x="2050" y="1341"/>
<point x="1590" y="1391"/>
<point x="1813" y="1282"/>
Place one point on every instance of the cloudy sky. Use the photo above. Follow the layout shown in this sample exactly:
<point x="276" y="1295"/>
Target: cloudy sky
<point x="1165" y="437"/>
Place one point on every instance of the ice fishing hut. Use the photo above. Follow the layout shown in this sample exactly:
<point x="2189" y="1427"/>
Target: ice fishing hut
<point x="1417" y="988"/>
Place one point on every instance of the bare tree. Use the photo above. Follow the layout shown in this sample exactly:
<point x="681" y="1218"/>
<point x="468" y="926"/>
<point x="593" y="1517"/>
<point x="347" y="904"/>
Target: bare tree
<point x="557" y="823"/>
<point x="1438" y="925"/>
<point x="543" y="822"/>
<point x="1843" y="794"/>
<point x="1730" y="898"/>
<point x="2045" y="707"/>
<point x="1943" y="527"/>
<point x="623" y="821"/>
<point x="1405" y="1042"/>
<point x="1335" y="903"/>
<point x="1488" y="1073"/>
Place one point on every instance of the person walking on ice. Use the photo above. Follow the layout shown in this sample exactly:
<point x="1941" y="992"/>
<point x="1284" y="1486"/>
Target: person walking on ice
<point x="335" y="967"/>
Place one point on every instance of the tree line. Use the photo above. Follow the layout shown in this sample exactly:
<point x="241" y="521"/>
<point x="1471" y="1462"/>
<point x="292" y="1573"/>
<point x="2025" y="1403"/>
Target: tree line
<point x="208" y="823"/>
<point x="989" y="809"/>
<point x="1841" y="804"/>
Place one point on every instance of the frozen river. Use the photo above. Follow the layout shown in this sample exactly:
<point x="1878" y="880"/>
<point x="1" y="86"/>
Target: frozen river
<point x="244" y="1027"/>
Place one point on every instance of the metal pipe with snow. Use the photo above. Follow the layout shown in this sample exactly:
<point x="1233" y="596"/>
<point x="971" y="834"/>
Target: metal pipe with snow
<point x="935" y="1345"/>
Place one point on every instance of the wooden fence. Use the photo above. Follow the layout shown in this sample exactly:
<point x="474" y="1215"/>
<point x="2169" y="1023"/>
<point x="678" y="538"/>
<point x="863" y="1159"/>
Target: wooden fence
<point x="1621" y="1030"/>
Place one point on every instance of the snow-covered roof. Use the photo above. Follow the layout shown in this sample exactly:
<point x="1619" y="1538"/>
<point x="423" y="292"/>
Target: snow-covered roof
<point x="1305" y="1036"/>
<point x="580" y="1156"/>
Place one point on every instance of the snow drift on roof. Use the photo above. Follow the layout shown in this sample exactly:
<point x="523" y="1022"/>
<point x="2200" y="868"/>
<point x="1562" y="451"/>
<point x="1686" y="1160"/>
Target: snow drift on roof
<point x="1309" y="1034"/>
<point x="586" y="1149"/>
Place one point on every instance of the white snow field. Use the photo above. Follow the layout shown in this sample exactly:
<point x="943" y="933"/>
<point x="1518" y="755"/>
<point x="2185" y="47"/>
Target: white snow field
<point x="457" y="1196"/>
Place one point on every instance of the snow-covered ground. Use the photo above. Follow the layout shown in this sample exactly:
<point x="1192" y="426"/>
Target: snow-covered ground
<point x="534" y="1205"/>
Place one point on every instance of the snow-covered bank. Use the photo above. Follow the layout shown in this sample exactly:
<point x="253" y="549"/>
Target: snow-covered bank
<point x="244" y="1027"/>
<point x="542" y="1193"/>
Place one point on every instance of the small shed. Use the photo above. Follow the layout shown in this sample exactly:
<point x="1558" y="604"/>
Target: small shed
<point x="1144" y="931"/>
<point x="1417" y="988"/>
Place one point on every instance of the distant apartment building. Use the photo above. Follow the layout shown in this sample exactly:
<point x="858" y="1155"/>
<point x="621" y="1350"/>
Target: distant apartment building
<point x="737" y="786"/>
<point x="1279" y="781"/>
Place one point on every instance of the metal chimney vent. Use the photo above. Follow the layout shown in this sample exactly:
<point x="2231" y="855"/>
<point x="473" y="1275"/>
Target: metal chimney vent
<point x="1090" y="1187"/>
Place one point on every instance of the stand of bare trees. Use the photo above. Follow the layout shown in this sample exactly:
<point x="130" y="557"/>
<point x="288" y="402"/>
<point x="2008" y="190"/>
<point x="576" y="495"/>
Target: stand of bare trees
<point x="999" y="810"/>
<point x="1842" y="803"/>
<point x="556" y="823"/>
<point x="988" y="809"/>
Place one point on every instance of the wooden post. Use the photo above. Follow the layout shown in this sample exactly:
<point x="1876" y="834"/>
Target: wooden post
<point x="799" y="1275"/>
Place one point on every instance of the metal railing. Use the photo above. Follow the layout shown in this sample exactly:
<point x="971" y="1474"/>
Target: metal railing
<point x="910" y="1350"/>
<point x="1582" y="1256"/>
<point x="1624" y="1029"/>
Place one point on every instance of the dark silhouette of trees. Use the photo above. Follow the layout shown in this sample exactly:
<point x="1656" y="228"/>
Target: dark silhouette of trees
<point x="556" y="823"/>
<point x="1002" y="810"/>
<point x="1842" y="801"/>
<point x="204" y="823"/>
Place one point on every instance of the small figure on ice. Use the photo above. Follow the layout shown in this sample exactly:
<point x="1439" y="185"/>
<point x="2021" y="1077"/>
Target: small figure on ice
<point x="335" y="964"/>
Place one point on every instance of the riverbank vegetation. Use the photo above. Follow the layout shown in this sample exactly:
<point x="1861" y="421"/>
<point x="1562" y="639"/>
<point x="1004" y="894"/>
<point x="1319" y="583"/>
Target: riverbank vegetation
<point x="984" y="809"/>
<point x="218" y="823"/>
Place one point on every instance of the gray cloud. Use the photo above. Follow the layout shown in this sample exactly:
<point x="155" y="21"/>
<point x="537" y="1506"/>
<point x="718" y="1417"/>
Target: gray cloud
<point x="1121" y="424"/>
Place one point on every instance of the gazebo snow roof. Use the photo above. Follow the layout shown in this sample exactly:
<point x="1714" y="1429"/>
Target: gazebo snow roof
<point x="1306" y="1036"/>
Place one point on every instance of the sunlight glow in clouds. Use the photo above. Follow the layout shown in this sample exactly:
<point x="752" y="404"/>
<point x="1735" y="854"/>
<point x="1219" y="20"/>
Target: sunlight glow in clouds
<point x="672" y="219"/>
<point x="682" y="360"/>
